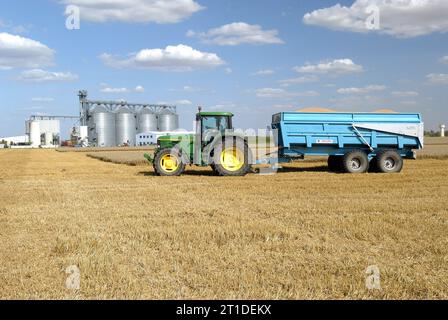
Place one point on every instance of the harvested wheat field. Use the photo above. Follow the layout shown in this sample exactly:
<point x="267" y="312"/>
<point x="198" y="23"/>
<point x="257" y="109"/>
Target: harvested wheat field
<point x="303" y="233"/>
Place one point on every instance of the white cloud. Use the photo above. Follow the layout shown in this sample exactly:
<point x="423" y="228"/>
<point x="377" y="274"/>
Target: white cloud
<point x="399" y="18"/>
<point x="272" y="93"/>
<point x="136" y="11"/>
<point x="172" y="58"/>
<point x="192" y="89"/>
<point x="139" y="89"/>
<point x="405" y="94"/>
<point x="188" y="89"/>
<point x="39" y="75"/>
<point x="436" y="79"/>
<point x="238" y="33"/>
<point x="41" y="99"/>
<point x="360" y="103"/>
<point x="264" y="72"/>
<point x="115" y="90"/>
<point x="281" y="93"/>
<point x="107" y="89"/>
<point x="444" y="60"/>
<point x="339" y="66"/>
<point x="362" y="90"/>
<point x="183" y="102"/>
<point x="223" y="106"/>
<point x="299" y="80"/>
<point x="228" y="70"/>
<point x="176" y="103"/>
<point x="20" y="52"/>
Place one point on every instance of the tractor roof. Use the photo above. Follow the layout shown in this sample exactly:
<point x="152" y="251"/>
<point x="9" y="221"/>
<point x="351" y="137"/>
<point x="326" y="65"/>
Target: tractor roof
<point x="216" y="114"/>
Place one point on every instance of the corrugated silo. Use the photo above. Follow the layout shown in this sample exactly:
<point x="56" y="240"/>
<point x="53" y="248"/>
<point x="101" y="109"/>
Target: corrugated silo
<point x="102" y="127"/>
<point x="168" y="121"/>
<point x="126" y="126"/>
<point x="147" y="121"/>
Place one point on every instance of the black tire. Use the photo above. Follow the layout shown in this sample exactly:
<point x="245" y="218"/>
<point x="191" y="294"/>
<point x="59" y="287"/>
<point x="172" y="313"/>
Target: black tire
<point x="389" y="161"/>
<point x="161" y="169"/>
<point x="355" y="162"/>
<point x="243" y="148"/>
<point x="334" y="163"/>
<point x="215" y="172"/>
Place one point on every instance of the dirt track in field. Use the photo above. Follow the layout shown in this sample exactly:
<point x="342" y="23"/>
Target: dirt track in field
<point x="303" y="233"/>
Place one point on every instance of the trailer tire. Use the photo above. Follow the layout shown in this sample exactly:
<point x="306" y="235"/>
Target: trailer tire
<point x="169" y="163"/>
<point x="355" y="161"/>
<point x="389" y="161"/>
<point x="238" y="161"/>
<point x="334" y="163"/>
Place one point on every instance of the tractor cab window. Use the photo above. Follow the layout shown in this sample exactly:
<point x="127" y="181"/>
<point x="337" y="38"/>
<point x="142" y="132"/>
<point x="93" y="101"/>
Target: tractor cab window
<point x="220" y="124"/>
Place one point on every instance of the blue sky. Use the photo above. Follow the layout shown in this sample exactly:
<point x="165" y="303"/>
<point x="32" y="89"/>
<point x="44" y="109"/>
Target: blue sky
<point x="251" y="57"/>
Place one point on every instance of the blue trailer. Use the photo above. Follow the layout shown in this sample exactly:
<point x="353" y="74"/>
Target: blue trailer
<point x="354" y="142"/>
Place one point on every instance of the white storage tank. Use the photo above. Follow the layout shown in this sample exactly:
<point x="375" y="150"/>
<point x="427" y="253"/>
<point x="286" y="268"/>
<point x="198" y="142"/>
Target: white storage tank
<point x="168" y="121"/>
<point x="102" y="127"/>
<point x="147" y="121"/>
<point x="34" y="132"/>
<point x="126" y="127"/>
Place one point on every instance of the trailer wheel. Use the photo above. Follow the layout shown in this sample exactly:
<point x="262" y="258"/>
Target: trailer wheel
<point x="168" y="162"/>
<point x="334" y="163"/>
<point x="355" y="162"/>
<point x="231" y="158"/>
<point x="389" y="161"/>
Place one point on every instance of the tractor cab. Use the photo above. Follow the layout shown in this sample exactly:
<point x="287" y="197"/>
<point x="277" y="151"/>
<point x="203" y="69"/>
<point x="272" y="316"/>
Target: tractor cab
<point x="212" y="124"/>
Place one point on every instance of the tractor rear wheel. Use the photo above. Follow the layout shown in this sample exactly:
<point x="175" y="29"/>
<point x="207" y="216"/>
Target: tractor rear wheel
<point x="231" y="157"/>
<point x="388" y="161"/>
<point x="168" y="162"/>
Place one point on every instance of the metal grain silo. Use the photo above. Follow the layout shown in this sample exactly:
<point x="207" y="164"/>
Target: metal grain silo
<point x="168" y="121"/>
<point x="102" y="127"/>
<point x="147" y="121"/>
<point x="126" y="126"/>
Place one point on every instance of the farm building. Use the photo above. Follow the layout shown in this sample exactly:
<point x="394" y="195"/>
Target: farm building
<point x="15" y="140"/>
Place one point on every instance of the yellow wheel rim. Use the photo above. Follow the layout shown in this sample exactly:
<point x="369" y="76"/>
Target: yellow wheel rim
<point x="169" y="163"/>
<point x="232" y="159"/>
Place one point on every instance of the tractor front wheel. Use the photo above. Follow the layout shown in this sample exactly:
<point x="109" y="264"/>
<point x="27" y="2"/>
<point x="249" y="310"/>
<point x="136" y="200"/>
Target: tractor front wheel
<point x="168" y="162"/>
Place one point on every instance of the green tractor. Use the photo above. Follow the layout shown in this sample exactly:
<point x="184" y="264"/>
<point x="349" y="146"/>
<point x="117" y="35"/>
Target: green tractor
<point x="215" y="144"/>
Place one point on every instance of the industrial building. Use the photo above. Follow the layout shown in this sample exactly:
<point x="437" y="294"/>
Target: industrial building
<point x="101" y="124"/>
<point x="15" y="140"/>
<point x="43" y="131"/>
<point x="118" y="123"/>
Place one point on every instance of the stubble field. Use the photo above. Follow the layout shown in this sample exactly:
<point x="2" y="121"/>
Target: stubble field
<point x="303" y="233"/>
